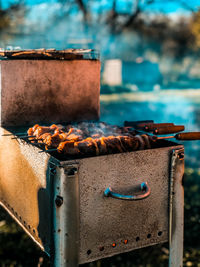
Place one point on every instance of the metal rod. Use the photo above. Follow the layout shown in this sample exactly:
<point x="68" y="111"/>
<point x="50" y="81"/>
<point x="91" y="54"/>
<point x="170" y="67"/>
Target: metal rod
<point x="164" y="137"/>
<point x="23" y="136"/>
<point x="17" y="134"/>
<point x="49" y="150"/>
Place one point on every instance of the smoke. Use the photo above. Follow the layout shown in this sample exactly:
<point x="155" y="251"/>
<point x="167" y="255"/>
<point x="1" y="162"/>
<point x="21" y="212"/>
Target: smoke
<point x="97" y="129"/>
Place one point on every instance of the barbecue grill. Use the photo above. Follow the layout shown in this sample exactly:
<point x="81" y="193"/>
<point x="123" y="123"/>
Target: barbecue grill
<point x="81" y="209"/>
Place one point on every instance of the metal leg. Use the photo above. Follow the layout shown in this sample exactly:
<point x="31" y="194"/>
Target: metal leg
<point x="66" y="217"/>
<point x="176" y="218"/>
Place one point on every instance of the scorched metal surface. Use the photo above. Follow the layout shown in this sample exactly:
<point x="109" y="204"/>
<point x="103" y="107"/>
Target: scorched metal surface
<point x="63" y="88"/>
<point x="61" y="204"/>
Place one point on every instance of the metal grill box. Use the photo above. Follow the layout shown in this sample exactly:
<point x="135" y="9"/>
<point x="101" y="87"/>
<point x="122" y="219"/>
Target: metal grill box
<point x="61" y="204"/>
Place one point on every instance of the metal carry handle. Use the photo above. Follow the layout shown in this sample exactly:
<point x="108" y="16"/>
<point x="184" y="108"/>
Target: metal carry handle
<point x="143" y="187"/>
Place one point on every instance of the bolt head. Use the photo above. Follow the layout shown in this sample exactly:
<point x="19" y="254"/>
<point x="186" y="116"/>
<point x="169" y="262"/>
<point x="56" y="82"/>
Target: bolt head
<point x="59" y="201"/>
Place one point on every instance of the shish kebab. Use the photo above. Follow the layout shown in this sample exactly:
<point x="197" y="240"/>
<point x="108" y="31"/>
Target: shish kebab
<point x="76" y="141"/>
<point x="73" y="142"/>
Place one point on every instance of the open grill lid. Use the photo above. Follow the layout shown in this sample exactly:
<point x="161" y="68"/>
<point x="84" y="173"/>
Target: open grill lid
<point x="49" y="86"/>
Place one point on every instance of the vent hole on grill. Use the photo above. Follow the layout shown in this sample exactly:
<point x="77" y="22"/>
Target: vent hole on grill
<point x="149" y="236"/>
<point x="126" y="241"/>
<point x="101" y="248"/>
<point x="159" y="233"/>
<point x="89" y="251"/>
<point x="137" y="239"/>
<point x="114" y="245"/>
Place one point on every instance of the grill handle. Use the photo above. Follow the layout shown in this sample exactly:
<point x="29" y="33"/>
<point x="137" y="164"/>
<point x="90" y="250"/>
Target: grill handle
<point x="145" y="192"/>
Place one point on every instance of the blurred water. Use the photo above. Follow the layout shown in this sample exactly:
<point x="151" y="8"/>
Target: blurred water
<point x="179" y="107"/>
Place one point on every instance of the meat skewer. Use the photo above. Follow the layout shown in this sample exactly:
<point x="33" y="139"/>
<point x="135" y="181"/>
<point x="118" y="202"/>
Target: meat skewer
<point x="187" y="136"/>
<point x="76" y="141"/>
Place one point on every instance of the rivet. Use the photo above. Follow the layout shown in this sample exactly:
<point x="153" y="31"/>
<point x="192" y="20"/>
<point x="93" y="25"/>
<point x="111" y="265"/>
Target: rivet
<point x="89" y="251"/>
<point x="59" y="201"/>
<point x="137" y="239"/>
<point x="149" y="236"/>
<point x="159" y="233"/>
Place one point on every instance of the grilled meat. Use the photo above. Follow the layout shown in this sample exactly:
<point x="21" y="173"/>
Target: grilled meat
<point x="88" y="139"/>
<point x="100" y="146"/>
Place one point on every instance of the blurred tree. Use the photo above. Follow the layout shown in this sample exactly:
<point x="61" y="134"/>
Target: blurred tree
<point x="11" y="16"/>
<point x="140" y="8"/>
<point x="84" y="7"/>
<point x="195" y="28"/>
<point x="4" y="19"/>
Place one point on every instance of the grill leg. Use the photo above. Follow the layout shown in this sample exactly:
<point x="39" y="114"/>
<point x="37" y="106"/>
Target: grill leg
<point x="66" y="217"/>
<point x="176" y="210"/>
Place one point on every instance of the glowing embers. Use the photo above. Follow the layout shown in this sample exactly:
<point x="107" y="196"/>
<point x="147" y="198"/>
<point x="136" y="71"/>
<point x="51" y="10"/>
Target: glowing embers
<point x="125" y="242"/>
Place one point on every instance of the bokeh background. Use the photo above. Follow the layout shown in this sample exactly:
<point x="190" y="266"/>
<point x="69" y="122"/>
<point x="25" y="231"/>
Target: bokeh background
<point x="150" y="54"/>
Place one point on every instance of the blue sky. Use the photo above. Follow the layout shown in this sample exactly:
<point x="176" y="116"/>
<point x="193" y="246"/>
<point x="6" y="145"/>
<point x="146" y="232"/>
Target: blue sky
<point x="166" y="6"/>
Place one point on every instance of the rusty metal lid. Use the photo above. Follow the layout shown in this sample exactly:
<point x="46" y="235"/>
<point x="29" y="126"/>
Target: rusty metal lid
<point x="67" y="54"/>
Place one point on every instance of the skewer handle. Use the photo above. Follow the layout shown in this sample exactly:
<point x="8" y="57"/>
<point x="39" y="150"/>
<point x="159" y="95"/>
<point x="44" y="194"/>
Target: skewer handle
<point x="137" y="123"/>
<point x="169" y="129"/>
<point x="153" y="126"/>
<point x="188" y="136"/>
